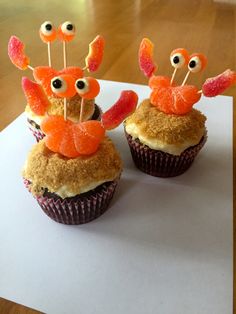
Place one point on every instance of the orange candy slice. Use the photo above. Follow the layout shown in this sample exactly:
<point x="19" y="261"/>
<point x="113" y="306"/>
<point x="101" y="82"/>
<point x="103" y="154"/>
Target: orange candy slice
<point x="16" y="53"/>
<point x="70" y="139"/>
<point x="125" y="105"/>
<point x="175" y="100"/>
<point x="95" y="55"/>
<point x="43" y="75"/>
<point x="157" y="81"/>
<point x="35" y="96"/>
<point x="146" y="62"/>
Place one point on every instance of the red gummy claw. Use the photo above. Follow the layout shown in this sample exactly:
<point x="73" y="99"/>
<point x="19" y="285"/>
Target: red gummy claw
<point x="217" y="85"/>
<point x="146" y="63"/>
<point x="16" y="53"/>
<point x="124" y="106"/>
<point x="35" y="96"/>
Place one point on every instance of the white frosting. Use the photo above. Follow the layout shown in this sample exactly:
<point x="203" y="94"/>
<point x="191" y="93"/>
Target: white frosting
<point x="133" y="130"/>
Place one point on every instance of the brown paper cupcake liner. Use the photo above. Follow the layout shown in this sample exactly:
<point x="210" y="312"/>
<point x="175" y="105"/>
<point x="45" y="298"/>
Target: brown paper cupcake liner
<point x="161" y="164"/>
<point x="39" y="135"/>
<point x="79" y="209"/>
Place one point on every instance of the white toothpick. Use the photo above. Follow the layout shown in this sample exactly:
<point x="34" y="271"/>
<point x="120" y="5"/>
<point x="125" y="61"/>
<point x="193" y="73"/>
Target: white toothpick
<point x="81" y="110"/>
<point x="200" y="91"/>
<point x="30" y="67"/>
<point x="186" y="77"/>
<point x="173" y="76"/>
<point x="85" y="68"/>
<point x="49" y="54"/>
<point x="65" y="105"/>
<point x="64" y="53"/>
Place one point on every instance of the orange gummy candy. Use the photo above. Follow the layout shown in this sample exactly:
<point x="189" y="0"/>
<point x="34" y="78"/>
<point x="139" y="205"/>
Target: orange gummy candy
<point x="16" y="53"/>
<point x="95" y="55"/>
<point x="175" y="100"/>
<point x="35" y="96"/>
<point x="146" y="63"/>
<point x="157" y="81"/>
<point x="66" y="31"/>
<point x="71" y="139"/>
<point x="43" y="75"/>
<point x="87" y="87"/>
<point x="63" y="86"/>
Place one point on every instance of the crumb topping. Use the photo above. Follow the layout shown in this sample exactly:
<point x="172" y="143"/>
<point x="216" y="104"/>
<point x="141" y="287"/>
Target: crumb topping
<point x="169" y="128"/>
<point x="46" y="169"/>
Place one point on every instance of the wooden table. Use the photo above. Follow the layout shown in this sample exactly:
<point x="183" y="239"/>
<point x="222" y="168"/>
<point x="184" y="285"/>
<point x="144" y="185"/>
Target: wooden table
<point x="200" y="26"/>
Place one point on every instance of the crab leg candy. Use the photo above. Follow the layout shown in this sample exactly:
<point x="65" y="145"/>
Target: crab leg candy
<point x="95" y="55"/>
<point x="66" y="33"/>
<point x="48" y="34"/>
<point x="35" y="96"/>
<point x="146" y="63"/>
<point x="16" y="53"/>
<point x="125" y="105"/>
<point x="217" y="85"/>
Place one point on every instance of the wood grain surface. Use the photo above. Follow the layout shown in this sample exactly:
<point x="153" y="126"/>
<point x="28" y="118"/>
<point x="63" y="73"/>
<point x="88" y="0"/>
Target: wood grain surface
<point x="198" y="25"/>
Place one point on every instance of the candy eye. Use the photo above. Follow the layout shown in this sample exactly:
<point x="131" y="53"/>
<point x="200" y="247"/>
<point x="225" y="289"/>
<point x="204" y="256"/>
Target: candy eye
<point x="63" y="86"/>
<point x="58" y="85"/>
<point x="197" y="62"/>
<point x="179" y="57"/>
<point x="87" y="87"/>
<point x="66" y="31"/>
<point x="47" y="32"/>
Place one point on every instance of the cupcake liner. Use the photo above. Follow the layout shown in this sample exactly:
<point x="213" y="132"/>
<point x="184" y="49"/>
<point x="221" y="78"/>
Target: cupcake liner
<point x="79" y="209"/>
<point x="161" y="164"/>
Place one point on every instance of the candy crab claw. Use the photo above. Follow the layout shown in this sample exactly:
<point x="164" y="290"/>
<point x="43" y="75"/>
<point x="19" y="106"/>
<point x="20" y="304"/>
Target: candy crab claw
<point x="146" y="63"/>
<point x="16" y="53"/>
<point x="124" y="106"/>
<point x="35" y="96"/>
<point x="95" y="55"/>
<point x="217" y="85"/>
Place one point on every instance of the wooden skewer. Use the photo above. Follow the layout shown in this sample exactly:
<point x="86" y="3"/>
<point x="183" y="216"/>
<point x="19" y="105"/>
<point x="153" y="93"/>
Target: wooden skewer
<point x="30" y="67"/>
<point x="49" y="54"/>
<point x="81" y="110"/>
<point x="65" y="105"/>
<point x="200" y="91"/>
<point x="186" y="77"/>
<point x="64" y="54"/>
<point x="173" y="76"/>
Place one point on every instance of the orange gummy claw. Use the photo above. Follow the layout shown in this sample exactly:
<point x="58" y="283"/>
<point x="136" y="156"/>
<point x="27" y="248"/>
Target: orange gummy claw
<point x="146" y="63"/>
<point x="35" y="96"/>
<point x="217" y="85"/>
<point x="124" y="106"/>
<point x="16" y="53"/>
<point x="95" y="55"/>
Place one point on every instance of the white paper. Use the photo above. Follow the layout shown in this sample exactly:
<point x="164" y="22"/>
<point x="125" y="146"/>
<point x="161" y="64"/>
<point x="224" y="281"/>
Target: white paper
<point x="164" y="246"/>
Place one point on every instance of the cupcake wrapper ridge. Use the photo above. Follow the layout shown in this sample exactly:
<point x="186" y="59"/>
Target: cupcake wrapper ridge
<point x="161" y="164"/>
<point x="79" y="209"/>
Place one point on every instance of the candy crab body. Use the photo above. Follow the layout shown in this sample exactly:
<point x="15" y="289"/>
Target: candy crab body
<point x="172" y="99"/>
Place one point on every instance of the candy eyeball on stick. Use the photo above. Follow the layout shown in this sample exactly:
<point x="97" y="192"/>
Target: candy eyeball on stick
<point x="197" y="62"/>
<point x="179" y="57"/>
<point x="87" y="88"/>
<point x="66" y="31"/>
<point x="63" y="86"/>
<point x="47" y="32"/>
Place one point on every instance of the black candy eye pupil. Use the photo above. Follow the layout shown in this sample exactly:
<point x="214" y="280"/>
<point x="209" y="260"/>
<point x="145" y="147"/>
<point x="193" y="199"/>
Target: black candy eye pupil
<point x="57" y="83"/>
<point x="69" y="27"/>
<point x="48" y="27"/>
<point x="192" y="64"/>
<point x="80" y="84"/>
<point x="176" y="59"/>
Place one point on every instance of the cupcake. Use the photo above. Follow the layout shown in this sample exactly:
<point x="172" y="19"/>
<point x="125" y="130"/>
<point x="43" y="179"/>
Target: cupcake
<point x="41" y="99"/>
<point x="74" y="170"/>
<point x="166" y="133"/>
<point x="73" y="190"/>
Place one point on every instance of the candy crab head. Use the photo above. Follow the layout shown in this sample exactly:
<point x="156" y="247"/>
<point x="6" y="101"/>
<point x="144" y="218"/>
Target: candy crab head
<point x="171" y="98"/>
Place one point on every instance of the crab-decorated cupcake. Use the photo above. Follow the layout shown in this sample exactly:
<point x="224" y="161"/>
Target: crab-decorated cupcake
<point x="45" y="78"/>
<point x="166" y="133"/>
<point x="73" y="172"/>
